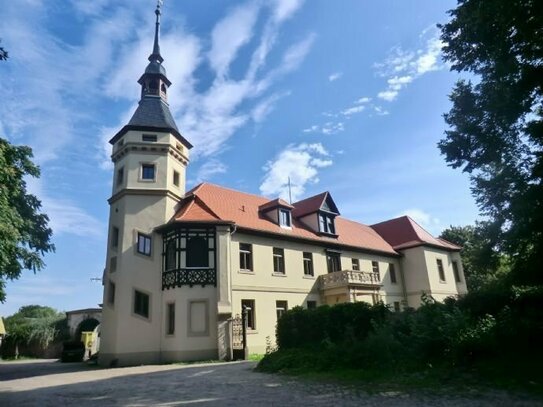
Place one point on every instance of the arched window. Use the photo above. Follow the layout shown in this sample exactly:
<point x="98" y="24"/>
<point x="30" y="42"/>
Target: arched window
<point x="171" y="255"/>
<point x="197" y="252"/>
<point x="163" y="88"/>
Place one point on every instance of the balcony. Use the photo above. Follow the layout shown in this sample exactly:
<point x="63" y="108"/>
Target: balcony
<point x="190" y="276"/>
<point x="350" y="278"/>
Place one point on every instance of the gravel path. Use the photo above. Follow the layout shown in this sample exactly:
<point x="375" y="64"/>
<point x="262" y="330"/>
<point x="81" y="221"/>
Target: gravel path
<point x="49" y="383"/>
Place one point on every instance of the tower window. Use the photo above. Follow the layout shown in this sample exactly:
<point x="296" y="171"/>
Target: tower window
<point x="115" y="237"/>
<point x="163" y="88"/>
<point x="176" y="178"/>
<point x="170" y="318"/>
<point x="141" y="304"/>
<point x="148" y="172"/>
<point x="111" y="293"/>
<point x="144" y="244"/>
<point x="120" y="176"/>
<point x="153" y="85"/>
<point x="149" y="137"/>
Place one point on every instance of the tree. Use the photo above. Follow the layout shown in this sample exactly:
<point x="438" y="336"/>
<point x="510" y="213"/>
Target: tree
<point x="35" y="324"/>
<point x="496" y="121"/>
<point x="3" y="53"/>
<point x="24" y="233"/>
<point x="481" y="262"/>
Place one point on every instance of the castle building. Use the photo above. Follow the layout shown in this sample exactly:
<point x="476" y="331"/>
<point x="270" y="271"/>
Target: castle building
<point x="182" y="264"/>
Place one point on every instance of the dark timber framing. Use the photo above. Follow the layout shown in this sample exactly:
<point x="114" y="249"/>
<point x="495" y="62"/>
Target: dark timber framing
<point x="173" y="275"/>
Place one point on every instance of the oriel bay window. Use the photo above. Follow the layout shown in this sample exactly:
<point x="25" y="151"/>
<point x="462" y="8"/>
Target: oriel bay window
<point x="188" y="257"/>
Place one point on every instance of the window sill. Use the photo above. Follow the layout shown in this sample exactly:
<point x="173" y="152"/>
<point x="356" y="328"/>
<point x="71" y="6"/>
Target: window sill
<point x="279" y="274"/>
<point x="442" y="282"/>
<point x="246" y="272"/>
<point x="146" y="180"/>
<point x="308" y="277"/>
<point x="252" y="331"/>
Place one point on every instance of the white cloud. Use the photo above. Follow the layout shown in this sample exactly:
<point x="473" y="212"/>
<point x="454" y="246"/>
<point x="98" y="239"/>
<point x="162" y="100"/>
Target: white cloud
<point x="301" y="163"/>
<point x="353" y="110"/>
<point x="209" y="169"/>
<point x="403" y="67"/>
<point x="326" y="128"/>
<point x="266" y="106"/>
<point x="388" y="95"/>
<point x="230" y="34"/>
<point x="335" y="76"/>
<point x="284" y="9"/>
<point x="66" y="217"/>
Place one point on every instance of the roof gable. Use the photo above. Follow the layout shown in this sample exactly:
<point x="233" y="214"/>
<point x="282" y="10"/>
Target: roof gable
<point x="322" y="201"/>
<point x="404" y="232"/>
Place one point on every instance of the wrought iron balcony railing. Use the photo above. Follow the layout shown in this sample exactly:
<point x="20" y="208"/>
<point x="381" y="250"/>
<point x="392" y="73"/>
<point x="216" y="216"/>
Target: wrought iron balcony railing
<point x="350" y="277"/>
<point x="190" y="276"/>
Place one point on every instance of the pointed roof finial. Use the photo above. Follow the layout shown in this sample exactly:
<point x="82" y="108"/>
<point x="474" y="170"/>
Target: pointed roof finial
<point x="155" y="56"/>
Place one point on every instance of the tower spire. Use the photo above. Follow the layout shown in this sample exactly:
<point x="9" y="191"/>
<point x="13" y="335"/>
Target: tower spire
<point x="155" y="56"/>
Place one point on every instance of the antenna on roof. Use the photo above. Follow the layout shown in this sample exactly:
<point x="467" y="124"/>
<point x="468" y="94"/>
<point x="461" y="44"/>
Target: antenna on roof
<point x="289" y="192"/>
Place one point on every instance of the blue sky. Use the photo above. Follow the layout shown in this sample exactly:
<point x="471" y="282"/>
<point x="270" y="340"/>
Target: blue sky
<point x="345" y="96"/>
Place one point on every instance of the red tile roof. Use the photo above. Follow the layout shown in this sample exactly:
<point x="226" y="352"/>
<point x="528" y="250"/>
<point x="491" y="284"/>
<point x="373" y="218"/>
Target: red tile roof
<point x="404" y="232"/>
<point x="207" y="202"/>
<point x="274" y="204"/>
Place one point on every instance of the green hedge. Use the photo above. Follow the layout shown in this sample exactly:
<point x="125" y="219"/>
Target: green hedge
<point x="300" y="328"/>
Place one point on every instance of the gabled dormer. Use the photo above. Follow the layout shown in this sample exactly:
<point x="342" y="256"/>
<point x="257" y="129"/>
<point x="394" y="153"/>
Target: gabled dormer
<point x="318" y="213"/>
<point x="278" y="211"/>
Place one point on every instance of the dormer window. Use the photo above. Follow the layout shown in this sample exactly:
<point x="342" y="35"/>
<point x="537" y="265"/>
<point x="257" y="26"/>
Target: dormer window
<point x="284" y="218"/>
<point x="326" y="223"/>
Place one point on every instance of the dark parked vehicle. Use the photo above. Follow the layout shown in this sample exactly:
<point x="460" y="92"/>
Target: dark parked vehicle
<point x="72" y="352"/>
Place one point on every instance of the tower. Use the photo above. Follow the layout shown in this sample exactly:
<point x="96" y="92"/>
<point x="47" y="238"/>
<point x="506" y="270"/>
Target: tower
<point x="150" y="157"/>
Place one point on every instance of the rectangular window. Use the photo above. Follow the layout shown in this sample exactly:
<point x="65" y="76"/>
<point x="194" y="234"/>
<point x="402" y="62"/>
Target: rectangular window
<point x="280" y="308"/>
<point x="176" y="178"/>
<point x="456" y="271"/>
<point x="397" y="306"/>
<point x="113" y="264"/>
<point x="148" y="172"/>
<point x="115" y="237"/>
<point x="308" y="264"/>
<point x="141" y="304"/>
<point x="284" y="217"/>
<point x="278" y="261"/>
<point x="149" y="137"/>
<point x="249" y="305"/>
<point x="375" y="269"/>
<point x="440" y="270"/>
<point x="144" y="244"/>
<point x="356" y="265"/>
<point x="334" y="262"/>
<point x="392" y="271"/>
<point x="326" y="223"/>
<point x="245" y="257"/>
<point x="170" y="318"/>
<point x="111" y="293"/>
<point x="120" y="176"/>
<point x="311" y="304"/>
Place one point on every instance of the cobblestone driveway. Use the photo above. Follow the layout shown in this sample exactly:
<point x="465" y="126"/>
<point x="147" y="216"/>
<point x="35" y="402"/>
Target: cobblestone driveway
<point x="234" y="384"/>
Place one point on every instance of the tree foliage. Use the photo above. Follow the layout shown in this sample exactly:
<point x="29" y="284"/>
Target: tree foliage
<point x="496" y="121"/>
<point x="24" y="232"/>
<point x="3" y="53"/>
<point x="482" y="264"/>
<point x="35" y="323"/>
